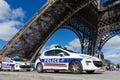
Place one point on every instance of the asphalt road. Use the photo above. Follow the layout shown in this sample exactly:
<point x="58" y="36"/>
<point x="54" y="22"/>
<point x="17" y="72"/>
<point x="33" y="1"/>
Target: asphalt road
<point x="108" y="75"/>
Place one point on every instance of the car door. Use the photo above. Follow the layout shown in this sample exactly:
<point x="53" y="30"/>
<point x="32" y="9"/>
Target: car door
<point x="63" y="58"/>
<point x="53" y="59"/>
<point x="50" y="59"/>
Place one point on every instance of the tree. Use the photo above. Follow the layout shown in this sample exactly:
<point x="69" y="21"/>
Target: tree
<point x="108" y="62"/>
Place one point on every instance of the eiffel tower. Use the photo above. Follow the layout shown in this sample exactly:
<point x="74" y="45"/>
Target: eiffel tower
<point x="93" y="21"/>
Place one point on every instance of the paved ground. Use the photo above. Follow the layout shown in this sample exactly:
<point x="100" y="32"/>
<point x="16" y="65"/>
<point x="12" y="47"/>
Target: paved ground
<point x="109" y="75"/>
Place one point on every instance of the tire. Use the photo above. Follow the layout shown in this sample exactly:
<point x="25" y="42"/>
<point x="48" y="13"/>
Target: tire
<point x="39" y="68"/>
<point x="76" y="67"/>
<point x="56" y="71"/>
<point x="90" y="72"/>
<point x="4" y="70"/>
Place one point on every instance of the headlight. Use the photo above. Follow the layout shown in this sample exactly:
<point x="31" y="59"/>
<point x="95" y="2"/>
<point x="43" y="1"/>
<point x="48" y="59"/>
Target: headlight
<point x="27" y="63"/>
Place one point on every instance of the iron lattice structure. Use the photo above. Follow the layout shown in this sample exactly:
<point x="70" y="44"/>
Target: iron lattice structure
<point x="93" y="27"/>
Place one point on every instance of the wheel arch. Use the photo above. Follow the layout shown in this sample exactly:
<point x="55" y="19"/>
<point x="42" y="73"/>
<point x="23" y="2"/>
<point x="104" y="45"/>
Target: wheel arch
<point x="73" y="61"/>
<point x="37" y="64"/>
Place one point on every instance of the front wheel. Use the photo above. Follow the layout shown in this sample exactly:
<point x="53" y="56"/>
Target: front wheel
<point x="76" y="67"/>
<point x="39" y="68"/>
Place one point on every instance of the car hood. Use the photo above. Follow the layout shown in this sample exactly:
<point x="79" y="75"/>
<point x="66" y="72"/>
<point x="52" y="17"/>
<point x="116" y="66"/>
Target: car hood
<point x="85" y="56"/>
<point x="89" y="57"/>
<point x="21" y="63"/>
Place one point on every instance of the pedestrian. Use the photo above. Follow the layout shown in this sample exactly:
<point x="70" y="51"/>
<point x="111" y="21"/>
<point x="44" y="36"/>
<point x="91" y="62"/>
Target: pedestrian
<point x="118" y="67"/>
<point x="114" y="68"/>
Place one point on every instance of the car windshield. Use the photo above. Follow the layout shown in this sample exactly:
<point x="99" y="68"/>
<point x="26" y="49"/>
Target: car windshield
<point x="71" y="51"/>
<point x="18" y="60"/>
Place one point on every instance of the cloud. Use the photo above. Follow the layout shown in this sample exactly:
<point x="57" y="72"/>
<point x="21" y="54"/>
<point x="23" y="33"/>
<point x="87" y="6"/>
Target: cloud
<point x="10" y="18"/>
<point x="113" y="43"/>
<point x="114" y="57"/>
<point x="17" y="14"/>
<point x="4" y="10"/>
<point x="74" y="45"/>
<point x="7" y="29"/>
<point x="111" y="49"/>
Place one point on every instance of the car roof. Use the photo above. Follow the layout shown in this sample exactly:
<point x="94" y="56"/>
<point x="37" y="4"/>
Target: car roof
<point x="60" y="48"/>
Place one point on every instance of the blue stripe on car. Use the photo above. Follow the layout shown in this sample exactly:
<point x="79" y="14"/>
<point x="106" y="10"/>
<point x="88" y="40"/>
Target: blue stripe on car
<point x="3" y="64"/>
<point x="59" y="60"/>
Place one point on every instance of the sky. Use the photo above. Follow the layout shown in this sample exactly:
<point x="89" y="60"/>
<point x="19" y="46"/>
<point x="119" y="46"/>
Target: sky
<point x="15" y="13"/>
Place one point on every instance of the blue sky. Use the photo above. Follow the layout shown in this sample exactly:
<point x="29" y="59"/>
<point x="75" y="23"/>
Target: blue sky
<point x="15" y="13"/>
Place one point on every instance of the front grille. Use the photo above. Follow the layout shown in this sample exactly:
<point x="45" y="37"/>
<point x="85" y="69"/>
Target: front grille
<point x="98" y="63"/>
<point x="25" y="66"/>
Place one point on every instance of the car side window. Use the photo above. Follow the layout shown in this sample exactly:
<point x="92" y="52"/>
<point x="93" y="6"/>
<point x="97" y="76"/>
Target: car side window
<point x="57" y="52"/>
<point x="66" y="54"/>
<point x="49" y="53"/>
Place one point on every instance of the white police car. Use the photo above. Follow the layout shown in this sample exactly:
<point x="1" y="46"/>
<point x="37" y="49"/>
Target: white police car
<point x="59" y="58"/>
<point x="15" y="64"/>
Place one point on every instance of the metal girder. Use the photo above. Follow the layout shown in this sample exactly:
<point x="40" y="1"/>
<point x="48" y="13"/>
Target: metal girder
<point x="30" y="39"/>
<point x="82" y="32"/>
<point x="108" y="21"/>
<point x="109" y="17"/>
<point x="106" y="35"/>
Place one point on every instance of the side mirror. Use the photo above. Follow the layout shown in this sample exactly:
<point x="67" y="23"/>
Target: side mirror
<point x="61" y="54"/>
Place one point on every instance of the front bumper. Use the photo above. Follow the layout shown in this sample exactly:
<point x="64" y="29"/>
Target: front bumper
<point x="23" y="67"/>
<point x="92" y="65"/>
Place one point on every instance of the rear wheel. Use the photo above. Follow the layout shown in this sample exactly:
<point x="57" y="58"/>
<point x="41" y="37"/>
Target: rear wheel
<point x="76" y="67"/>
<point x="4" y="70"/>
<point x="39" y="68"/>
<point x="90" y="72"/>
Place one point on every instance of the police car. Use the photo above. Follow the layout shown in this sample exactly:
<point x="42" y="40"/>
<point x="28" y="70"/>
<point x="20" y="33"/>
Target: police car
<point x="59" y="58"/>
<point x="15" y="64"/>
